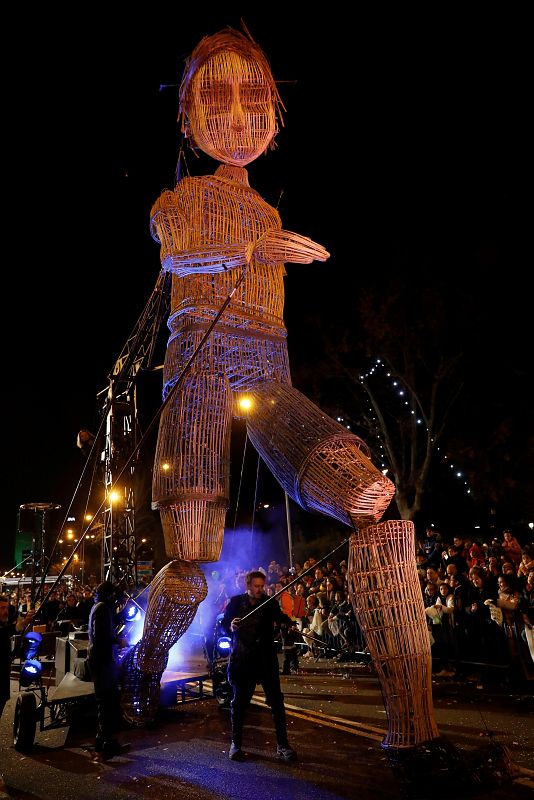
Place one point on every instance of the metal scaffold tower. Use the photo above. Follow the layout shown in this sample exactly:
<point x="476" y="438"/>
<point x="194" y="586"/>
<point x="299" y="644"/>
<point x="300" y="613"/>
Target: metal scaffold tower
<point x="119" y="563"/>
<point x="119" y="548"/>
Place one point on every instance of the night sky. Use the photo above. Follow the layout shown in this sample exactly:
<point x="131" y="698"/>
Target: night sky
<point x="403" y="132"/>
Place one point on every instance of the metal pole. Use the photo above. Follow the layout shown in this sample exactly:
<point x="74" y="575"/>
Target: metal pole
<point x="289" y="539"/>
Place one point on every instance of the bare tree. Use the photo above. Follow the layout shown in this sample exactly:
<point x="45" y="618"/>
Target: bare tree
<point x="398" y="374"/>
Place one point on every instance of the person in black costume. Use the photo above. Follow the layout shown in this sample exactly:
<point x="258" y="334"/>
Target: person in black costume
<point x="254" y="659"/>
<point x="102" y="658"/>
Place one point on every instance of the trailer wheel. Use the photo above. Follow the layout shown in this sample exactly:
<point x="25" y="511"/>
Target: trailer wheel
<point x="221" y="688"/>
<point x="25" y="722"/>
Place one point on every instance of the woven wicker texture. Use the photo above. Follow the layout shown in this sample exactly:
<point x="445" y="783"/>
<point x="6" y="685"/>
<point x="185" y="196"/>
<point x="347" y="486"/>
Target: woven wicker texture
<point x="175" y="594"/>
<point x="320" y="464"/>
<point x="213" y="231"/>
<point x="192" y="470"/>
<point x="244" y="357"/>
<point x="386" y="596"/>
<point x="140" y="692"/>
<point x="208" y="227"/>
<point x="248" y="345"/>
<point x="229" y="102"/>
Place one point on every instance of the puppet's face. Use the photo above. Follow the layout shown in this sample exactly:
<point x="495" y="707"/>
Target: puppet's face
<point x="231" y="114"/>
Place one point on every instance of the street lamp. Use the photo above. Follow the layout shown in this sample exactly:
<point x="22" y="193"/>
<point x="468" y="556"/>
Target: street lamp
<point x="245" y="403"/>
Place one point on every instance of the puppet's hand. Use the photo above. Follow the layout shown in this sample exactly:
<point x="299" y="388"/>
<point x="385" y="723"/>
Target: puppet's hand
<point x="279" y="246"/>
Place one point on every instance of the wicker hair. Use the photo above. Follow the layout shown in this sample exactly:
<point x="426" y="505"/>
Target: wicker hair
<point x="227" y="40"/>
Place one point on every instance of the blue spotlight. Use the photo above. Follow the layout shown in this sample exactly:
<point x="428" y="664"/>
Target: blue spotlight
<point x="130" y="622"/>
<point x="131" y="612"/>
<point x="223" y="645"/>
<point x="32" y="643"/>
<point x="30" y="672"/>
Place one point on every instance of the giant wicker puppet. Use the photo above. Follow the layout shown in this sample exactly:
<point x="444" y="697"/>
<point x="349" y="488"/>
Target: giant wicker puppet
<point x="216" y="233"/>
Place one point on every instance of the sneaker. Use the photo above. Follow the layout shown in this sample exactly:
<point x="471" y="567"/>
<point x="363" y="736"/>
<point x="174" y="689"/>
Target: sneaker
<point x="444" y="673"/>
<point x="235" y="753"/>
<point x="286" y="753"/>
<point x="345" y="655"/>
<point x="113" y="749"/>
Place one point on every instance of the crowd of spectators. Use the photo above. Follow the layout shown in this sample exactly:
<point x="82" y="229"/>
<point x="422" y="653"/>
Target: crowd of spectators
<point x="65" y="608"/>
<point x="478" y="599"/>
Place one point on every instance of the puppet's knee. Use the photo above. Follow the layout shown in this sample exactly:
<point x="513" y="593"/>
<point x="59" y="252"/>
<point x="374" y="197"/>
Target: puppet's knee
<point x="318" y="462"/>
<point x="191" y="479"/>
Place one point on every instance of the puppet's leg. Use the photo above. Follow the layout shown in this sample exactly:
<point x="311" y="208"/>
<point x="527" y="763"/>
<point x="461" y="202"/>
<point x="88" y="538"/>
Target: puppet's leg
<point x="317" y="461"/>
<point x="324" y="468"/>
<point x="190" y="488"/>
<point x="386" y="596"/>
<point x="175" y="594"/>
<point x="192" y="467"/>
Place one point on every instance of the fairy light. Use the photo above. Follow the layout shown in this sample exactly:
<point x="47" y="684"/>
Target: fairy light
<point x="399" y="389"/>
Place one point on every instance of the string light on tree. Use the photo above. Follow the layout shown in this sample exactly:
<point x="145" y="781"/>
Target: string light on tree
<point x="378" y="367"/>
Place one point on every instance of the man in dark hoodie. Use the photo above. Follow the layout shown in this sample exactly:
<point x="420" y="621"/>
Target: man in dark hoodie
<point x="102" y="658"/>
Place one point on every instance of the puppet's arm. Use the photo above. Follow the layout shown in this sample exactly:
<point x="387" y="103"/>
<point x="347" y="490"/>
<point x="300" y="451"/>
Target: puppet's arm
<point x="278" y="245"/>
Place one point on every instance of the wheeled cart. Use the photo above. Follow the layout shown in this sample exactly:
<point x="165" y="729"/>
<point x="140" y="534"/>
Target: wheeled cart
<point x="49" y="707"/>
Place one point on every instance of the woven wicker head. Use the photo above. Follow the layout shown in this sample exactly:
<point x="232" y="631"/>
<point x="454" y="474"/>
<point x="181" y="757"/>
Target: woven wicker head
<point x="229" y="103"/>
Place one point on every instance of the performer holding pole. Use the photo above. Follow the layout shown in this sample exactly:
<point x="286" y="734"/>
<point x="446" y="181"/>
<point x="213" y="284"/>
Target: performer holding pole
<point x="253" y="660"/>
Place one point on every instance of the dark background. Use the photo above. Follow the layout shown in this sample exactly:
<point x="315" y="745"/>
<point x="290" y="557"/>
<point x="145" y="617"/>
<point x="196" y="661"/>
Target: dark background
<point x="405" y="133"/>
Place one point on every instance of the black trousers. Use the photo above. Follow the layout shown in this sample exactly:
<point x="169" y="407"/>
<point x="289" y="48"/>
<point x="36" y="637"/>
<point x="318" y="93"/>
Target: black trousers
<point x="107" y="704"/>
<point x="291" y="660"/>
<point x="243" y="678"/>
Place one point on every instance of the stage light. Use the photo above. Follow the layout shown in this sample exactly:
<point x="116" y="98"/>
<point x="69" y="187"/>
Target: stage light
<point x="131" y="612"/>
<point x="32" y="643"/>
<point x="223" y="645"/>
<point x="30" y="672"/>
<point x="129" y="621"/>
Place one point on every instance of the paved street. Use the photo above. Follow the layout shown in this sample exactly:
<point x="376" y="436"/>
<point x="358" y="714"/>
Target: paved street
<point x="336" y="721"/>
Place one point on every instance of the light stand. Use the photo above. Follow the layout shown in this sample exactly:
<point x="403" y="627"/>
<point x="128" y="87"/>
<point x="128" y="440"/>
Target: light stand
<point x="38" y="560"/>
